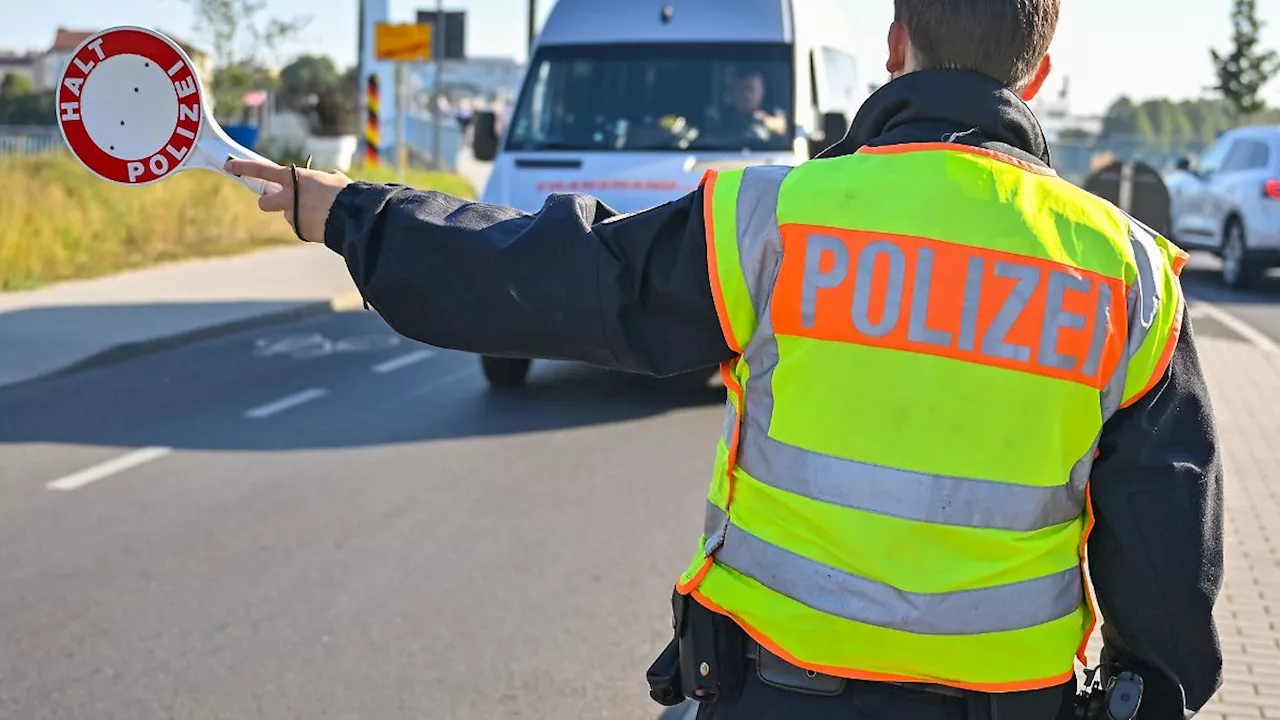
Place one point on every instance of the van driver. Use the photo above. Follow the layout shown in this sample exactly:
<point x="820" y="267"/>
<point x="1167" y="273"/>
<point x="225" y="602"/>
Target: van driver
<point x="746" y="116"/>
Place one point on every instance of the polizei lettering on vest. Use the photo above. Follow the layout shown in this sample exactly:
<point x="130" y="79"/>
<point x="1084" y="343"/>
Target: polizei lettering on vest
<point x="921" y="295"/>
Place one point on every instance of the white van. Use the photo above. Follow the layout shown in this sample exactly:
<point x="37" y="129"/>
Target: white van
<point x="632" y="100"/>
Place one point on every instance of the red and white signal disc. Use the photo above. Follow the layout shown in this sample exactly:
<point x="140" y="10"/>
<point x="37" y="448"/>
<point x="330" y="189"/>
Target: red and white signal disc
<point x="130" y="106"/>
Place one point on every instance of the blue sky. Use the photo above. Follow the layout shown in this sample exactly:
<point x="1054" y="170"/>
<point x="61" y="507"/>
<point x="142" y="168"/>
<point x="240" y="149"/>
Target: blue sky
<point x="1144" y="48"/>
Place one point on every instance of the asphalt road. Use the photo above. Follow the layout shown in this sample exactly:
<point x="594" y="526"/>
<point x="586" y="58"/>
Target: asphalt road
<point x="1258" y="307"/>
<point x="320" y="521"/>
<point x="323" y="520"/>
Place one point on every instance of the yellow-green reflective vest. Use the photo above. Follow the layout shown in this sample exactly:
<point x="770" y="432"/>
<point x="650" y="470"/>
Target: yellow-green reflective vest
<point x="930" y="339"/>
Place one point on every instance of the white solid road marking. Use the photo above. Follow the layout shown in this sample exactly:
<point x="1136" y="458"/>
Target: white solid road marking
<point x="286" y="403"/>
<point x="1238" y="326"/>
<point x="108" y="468"/>
<point x="403" y="361"/>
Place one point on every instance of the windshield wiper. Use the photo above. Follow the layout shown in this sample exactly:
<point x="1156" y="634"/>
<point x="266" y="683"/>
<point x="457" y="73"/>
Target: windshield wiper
<point x="535" y="147"/>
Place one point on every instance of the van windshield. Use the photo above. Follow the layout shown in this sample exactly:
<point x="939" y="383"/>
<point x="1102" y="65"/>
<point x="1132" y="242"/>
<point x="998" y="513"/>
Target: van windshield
<point x="663" y="97"/>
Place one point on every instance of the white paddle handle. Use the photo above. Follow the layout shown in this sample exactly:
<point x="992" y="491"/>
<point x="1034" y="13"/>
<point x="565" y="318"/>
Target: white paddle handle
<point x="215" y="151"/>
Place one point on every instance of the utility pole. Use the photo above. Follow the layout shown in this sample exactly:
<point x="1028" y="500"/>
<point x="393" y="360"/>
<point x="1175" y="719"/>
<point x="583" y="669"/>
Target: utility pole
<point x="437" y="50"/>
<point x="402" y="121"/>
<point x="362" y="81"/>
<point x="533" y="20"/>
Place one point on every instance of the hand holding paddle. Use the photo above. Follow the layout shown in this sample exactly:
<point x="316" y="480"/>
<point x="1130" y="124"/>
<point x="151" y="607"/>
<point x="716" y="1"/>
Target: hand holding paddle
<point x="304" y="195"/>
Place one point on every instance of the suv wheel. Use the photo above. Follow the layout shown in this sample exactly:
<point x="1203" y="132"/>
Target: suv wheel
<point x="1239" y="270"/>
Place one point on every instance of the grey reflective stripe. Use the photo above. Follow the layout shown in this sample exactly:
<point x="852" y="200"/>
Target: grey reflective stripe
<point x="972" y="303"/>
<point x="923" y="497"/>
<point x="815" y="279"/>
<point x="905" y="494"/>
<point x="893" y="293"/>
<point x="1001" y="608"/>
<point x="1141" y="303"/>
<point x="994" y="344"/>
<point x="759" y="240"/>
<point x="1147" y="296"/>
<point x="1056" y="317"/>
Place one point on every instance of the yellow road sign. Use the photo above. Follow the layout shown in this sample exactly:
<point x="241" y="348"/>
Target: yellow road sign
<point x="402" y="42"/>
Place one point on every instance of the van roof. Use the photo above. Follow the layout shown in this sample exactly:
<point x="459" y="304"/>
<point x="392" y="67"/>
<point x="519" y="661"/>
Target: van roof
<point x="582" y="22"/>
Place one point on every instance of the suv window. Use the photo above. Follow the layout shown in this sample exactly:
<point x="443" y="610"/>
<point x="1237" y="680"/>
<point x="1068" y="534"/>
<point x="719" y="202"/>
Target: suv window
<point x="1247" y="154"/>
<point x="1212" y="159"/>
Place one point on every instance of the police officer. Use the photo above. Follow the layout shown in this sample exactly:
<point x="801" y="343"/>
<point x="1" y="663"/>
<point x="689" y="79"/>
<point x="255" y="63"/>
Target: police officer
<point x="949" y="373"/>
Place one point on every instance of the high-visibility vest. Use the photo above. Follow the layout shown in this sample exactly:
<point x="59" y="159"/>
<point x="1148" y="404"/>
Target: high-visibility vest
<point x="930" y="338"/>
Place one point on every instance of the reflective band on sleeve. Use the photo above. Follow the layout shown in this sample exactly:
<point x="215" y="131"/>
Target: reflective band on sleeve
<point x="985" y="610"/>
<point x="1155" y="311"/>
<point x="759" y="240"/>
<point x="743" y="245"/>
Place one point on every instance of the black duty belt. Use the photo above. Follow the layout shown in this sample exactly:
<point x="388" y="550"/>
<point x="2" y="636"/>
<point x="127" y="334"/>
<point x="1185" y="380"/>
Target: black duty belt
<point x="778" y="672"/>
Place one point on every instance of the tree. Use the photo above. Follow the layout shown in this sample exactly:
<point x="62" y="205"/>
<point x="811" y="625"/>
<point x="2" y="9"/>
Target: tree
<point x="242" y="43"/>
<point x="312" y="85"/>
<point x="1146" y="123"/>
<point x="1121" y="118"/>
<point x="230" y="83"/>
<point x="1244" y="71"/>
<point x="302" y="80"/>
<point x="236" y="34"/>
<point x="338" y="107"/>
<point x="1172" y="127"/>
<point x="35" y="108"/>
<point x="15" y="86"/>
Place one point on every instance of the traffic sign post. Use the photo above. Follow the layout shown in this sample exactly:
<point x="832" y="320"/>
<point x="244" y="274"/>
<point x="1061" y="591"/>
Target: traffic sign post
<point x="130" y="107"/>
<point x="437" y="117"/>
<point x="402" y="43"/>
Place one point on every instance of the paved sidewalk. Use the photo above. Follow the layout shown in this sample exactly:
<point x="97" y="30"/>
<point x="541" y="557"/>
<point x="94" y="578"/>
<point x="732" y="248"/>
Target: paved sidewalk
<point x="1245" y="384"/>
<point x="1244" y="381"/>
<point x="71" y="324"/>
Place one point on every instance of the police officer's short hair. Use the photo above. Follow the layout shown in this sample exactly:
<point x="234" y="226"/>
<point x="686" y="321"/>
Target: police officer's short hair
<point x="1004" y="39"/>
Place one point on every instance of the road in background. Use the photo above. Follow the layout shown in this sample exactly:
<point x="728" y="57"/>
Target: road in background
<point x="323" y="520"/>
<point x="1257" y="308"/>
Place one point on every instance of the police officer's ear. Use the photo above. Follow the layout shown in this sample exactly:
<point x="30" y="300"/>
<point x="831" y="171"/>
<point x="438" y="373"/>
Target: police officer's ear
<point x="1037" y="79"/>
<point x="899" y="50"/>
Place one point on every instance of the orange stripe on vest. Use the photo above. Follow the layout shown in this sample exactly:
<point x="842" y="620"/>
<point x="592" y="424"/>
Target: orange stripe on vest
<point x="926" y="296"/>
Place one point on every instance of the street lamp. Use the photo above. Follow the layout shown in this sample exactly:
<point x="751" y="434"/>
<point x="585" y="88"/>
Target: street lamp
<point x="533" y="18"/>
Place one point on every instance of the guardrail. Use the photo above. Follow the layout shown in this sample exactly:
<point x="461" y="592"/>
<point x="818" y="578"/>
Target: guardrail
<point x="30" y="140"/>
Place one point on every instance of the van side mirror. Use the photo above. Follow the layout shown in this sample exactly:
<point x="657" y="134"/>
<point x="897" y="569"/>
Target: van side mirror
<point x="484" y="137"/>
<point x="834" y="127"/>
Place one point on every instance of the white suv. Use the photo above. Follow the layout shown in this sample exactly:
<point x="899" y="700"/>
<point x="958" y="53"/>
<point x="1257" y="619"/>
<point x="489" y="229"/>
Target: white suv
<point x="1229" y="203"/>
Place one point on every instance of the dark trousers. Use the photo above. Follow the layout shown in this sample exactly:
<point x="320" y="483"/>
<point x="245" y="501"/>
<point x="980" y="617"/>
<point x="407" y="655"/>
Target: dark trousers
<point x="878" y="701"/>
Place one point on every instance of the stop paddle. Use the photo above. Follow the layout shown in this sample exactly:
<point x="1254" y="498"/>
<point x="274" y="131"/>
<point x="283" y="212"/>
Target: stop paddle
<point x="132" y="109"/>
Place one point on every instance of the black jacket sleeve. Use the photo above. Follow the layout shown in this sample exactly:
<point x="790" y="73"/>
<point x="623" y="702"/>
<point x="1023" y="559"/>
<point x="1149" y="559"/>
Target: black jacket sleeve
<point x="1156" y="550"/>
<point x="574" y="281"/>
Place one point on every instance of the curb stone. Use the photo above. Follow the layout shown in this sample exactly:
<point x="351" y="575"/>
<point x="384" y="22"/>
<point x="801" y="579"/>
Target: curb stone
<point x="343" y="302"/>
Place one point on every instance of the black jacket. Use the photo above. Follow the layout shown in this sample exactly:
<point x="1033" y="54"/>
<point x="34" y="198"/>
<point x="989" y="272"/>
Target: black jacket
<point x="578" y="281"/>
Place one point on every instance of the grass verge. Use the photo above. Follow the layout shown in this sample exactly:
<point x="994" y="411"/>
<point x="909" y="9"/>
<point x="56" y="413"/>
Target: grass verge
<point x="58" y="222"/>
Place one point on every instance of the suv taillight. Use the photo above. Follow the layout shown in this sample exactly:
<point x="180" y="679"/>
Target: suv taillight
<point x="1272" y="189"/>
